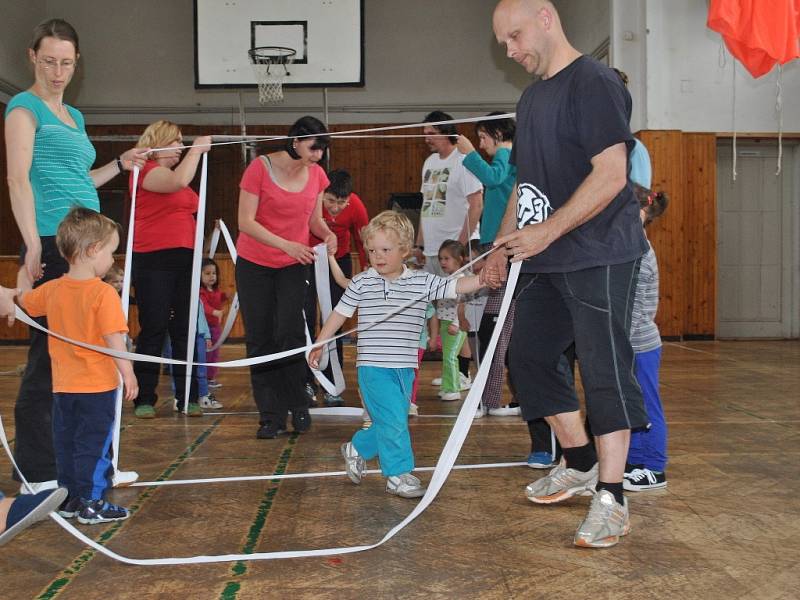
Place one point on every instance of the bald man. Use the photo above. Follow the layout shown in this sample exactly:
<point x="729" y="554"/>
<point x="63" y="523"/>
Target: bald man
<point x="573" y="221"/>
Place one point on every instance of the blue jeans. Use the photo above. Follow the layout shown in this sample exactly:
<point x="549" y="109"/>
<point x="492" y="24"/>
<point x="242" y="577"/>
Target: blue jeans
<point x="387" y="394"/>
<point x="649" y="446"/>
<point x="83" y="425"/>
<point x="201" y="370"/>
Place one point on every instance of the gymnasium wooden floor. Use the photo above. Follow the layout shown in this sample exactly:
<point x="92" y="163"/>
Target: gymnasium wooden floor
<point x="728" y="525"/>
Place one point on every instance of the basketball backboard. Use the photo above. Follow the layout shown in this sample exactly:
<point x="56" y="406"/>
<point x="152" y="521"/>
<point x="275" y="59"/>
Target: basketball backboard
<point x="327" y="36"/>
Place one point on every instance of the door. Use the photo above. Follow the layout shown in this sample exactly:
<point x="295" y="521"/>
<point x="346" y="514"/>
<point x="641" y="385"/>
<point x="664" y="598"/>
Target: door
<point x="757" y="219"/>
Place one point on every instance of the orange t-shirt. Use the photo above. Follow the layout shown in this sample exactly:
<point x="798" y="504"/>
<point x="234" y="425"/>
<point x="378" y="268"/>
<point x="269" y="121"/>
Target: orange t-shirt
<point x="83" y="310"/>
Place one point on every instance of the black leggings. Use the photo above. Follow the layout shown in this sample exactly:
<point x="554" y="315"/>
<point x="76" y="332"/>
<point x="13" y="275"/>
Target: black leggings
<point x="33" y="446"/>
<point x="271" y="301"/>
<point x="163" y="281"/>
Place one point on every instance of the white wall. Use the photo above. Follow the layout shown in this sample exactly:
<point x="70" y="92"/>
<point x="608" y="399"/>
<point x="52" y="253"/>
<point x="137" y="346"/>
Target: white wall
<point x="676" y="81"/>
<point x="587" y="24"/>
<point x="17" y="20"/>
<point x="137" y="64"/>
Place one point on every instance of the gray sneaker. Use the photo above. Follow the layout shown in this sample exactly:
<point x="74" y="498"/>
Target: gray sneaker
<point x="405" y="486"/>
<point x="562" y="483"/>
<point x="606" y="522"/>
<point x="354" y="463"/>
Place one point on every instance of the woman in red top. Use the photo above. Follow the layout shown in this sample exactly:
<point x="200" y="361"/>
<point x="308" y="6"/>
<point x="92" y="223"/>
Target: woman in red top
<point x="163" y="243"/>
<point x="280" y="205"/>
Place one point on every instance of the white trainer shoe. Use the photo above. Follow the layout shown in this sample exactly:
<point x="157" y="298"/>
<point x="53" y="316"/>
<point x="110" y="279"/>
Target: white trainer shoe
<point x="465" y="381"/>
<point x="505" y="411"/>
<point x="480" y="412"/>
<point x="210" y="402"/>
<point x="124" y="478"/>
<point x="450" y="396"/>
<point x="413" y="410"/>
<point x="437" y="381"/>
<point x="405" y="486"/>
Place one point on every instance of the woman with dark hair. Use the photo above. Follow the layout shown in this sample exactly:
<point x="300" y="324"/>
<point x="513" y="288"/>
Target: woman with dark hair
<point x="280" y="205"/>
<point x="496" y="138"/>
<point x="50" y="160"/>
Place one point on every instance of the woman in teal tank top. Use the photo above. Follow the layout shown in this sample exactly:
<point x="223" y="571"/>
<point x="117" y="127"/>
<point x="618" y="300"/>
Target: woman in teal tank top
<point x="50" y="170"/>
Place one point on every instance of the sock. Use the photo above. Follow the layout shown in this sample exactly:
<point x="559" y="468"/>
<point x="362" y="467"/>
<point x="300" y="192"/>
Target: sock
<point x="581" y="458"/>
<point x="463" y="365"/>
<point x="532" y="433"/>
<point x="614" y="488"/>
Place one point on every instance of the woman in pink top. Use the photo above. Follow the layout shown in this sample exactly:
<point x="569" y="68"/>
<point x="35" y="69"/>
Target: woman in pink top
<point x="280" y="204"/>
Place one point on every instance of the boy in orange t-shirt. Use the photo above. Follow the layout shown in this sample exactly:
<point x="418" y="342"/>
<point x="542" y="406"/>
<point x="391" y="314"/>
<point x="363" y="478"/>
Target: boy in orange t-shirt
<point x="80" y="306"/>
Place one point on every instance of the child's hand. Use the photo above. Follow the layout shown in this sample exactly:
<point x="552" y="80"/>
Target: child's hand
<point x="217" y="313"/>
<point x="313" y="357"/>
<point x="7" y="306"/>
<point x="209" y="344"/>
<point x="463" y="324"/>
<point x="432" y="344"/>
<point x="130" y="386"/>
<point x="452" y="329"/>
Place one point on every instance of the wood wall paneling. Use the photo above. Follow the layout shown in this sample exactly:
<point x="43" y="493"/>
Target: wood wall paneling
<point x="684" y="166"/>
<point x="666" y="233"/>
<point x="700" y="214"/>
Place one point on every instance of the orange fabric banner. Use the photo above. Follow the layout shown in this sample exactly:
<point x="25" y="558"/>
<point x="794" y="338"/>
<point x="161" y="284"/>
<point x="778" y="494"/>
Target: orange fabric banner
<point x="760" y="33"/>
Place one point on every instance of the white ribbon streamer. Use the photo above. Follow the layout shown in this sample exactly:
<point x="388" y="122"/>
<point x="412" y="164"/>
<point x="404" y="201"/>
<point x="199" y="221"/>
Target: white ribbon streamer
<point x="329" y="354"/>
<point x="126" y="301"/>
<point x="234" y="308"/>
<point x="441" y="471"/>
<point x="194" y="290"/>
<point x="344" y="134"/>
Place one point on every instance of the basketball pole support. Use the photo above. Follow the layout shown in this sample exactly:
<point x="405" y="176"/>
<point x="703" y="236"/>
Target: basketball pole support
<point x="242" y="126"/>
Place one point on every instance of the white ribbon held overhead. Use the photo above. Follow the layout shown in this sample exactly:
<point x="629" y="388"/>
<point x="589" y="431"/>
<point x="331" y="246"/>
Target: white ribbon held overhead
<point x="234" y="307"/>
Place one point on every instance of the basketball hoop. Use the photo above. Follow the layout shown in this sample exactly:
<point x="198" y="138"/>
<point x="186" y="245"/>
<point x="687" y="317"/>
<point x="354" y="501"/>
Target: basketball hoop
<point x="270" y="67"/>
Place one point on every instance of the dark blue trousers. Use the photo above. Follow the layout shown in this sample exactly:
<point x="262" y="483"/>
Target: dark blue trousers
<point x="83" y="425"/>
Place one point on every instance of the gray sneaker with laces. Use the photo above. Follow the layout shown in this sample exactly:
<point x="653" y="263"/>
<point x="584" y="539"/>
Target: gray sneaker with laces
<point x="405" y="486"/>
<point x="562" y="483"/>
<point x="354" y="463"/>
<point x="606" y="522"/>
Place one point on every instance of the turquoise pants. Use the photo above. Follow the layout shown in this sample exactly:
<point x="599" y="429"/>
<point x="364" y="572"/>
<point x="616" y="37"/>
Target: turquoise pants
<point x="451" y="346"/>
<point x="386" y="394"/>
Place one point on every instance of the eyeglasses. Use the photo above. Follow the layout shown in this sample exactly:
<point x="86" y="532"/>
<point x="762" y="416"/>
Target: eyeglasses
<point x="51" y="64"/>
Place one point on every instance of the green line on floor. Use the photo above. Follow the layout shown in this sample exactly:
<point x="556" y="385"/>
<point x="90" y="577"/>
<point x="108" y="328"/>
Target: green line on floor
<point x="239" y="568"/>
<point x="57" y="585"/>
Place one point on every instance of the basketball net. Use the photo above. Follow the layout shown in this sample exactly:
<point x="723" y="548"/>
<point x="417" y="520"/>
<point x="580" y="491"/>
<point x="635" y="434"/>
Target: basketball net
<point x="270" y="78"/>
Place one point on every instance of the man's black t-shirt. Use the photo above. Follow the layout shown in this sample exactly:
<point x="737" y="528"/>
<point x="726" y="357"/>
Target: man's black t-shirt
<point x="563" y="122"/>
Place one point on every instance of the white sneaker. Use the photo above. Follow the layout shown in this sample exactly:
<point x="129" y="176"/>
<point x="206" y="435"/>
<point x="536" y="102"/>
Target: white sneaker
<point x="405" y="486"/>
<point x="437" y="381"/>
<point x="354" y="463"/>
<point x="38" y="486"/>
<point x="124" y="478"/>
<point x="465" y="381"/>
<point x="450" y="396"/>
<point x="367" y="420"/>
<point x="480" y="412"/>
<point x="210" y="402"/>
<point x="413" y="410"/>
<point x="505" y="411"/>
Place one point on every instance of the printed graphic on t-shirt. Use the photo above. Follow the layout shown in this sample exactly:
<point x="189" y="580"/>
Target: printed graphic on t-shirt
<point x="434" y="192"/>
<point x="532" y="205"/>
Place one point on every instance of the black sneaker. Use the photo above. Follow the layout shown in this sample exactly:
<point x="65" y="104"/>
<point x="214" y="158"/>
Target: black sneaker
<point x="301" y="421"/>
<point x="100" y="511"/>
<point x="270" y="430"/>
<point x="642" y="480"/>
<point x="70" y="507"/>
